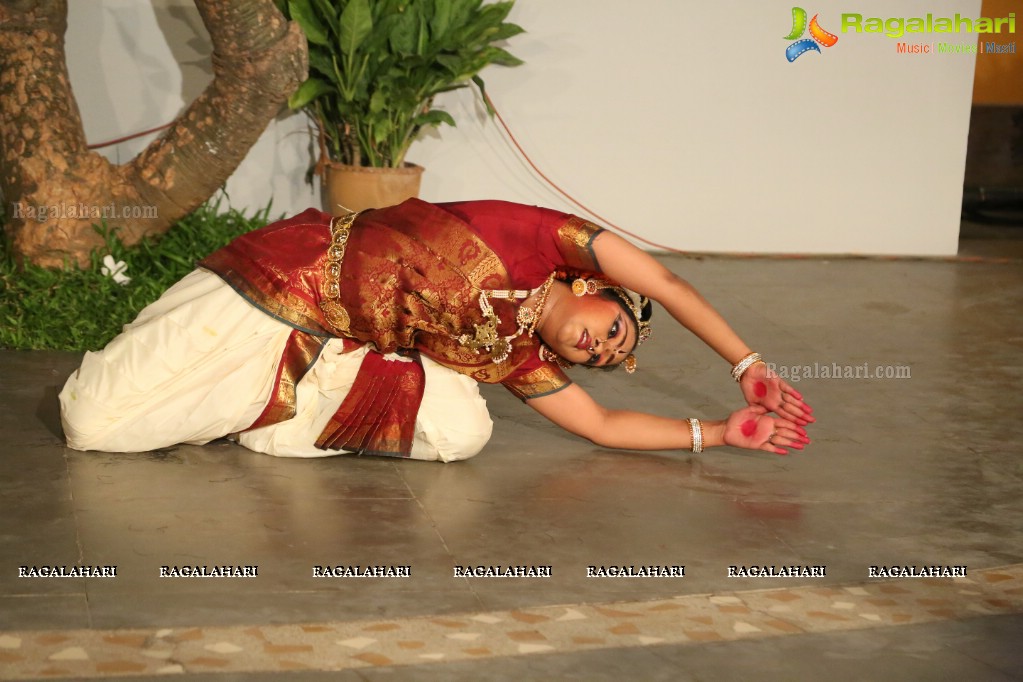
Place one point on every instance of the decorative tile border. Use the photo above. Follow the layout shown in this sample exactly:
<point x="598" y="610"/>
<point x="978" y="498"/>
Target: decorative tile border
<point x="688" y="619"/>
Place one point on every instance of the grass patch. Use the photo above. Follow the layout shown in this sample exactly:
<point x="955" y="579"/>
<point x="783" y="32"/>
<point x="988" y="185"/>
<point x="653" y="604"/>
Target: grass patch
<point x="78" y="310"/>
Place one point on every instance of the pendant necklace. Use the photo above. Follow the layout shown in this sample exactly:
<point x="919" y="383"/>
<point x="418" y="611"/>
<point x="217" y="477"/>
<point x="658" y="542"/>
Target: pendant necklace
<point x="485" y="336"/>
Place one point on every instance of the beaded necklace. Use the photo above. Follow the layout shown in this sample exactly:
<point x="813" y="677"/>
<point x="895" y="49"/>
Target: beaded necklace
<point x="485" y="336"/>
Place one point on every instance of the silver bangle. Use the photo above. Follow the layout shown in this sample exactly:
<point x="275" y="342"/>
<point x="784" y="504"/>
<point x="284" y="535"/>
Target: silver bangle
<point x="740" y="367"/>
<point x="696" y="431"/>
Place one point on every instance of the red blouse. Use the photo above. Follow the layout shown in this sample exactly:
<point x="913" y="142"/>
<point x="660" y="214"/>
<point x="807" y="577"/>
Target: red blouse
<point x="412" y="276"/>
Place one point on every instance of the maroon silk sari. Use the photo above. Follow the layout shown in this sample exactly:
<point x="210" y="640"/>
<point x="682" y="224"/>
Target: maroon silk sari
<point x="410" y="282"/>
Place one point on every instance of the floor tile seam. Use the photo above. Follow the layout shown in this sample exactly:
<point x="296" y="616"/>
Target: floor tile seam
<point x="440" y="536"/>
<point x="1007" y="672"/>
<point x="433" y="522"/>
<point x="78" y="533"/>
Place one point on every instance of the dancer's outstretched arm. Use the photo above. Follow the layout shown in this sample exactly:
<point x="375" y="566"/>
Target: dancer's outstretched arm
<point x="637" y="270"/>
<point x="752" y="428"/>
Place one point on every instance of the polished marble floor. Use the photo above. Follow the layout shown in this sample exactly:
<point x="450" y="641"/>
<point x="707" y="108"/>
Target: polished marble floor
<point x="923" y="470"/>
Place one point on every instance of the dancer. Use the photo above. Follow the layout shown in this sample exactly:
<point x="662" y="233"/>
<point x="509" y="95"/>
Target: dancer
<point x="367" y="333"/>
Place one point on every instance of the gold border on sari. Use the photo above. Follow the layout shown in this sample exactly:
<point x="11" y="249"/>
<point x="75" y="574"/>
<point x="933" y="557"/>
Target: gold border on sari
<point x="538" y="383"/>
<point x="577" y="235"/>
<point x="300" y="353"/>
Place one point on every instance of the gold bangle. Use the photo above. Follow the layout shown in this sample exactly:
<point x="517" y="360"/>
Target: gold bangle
<point x="740" y="367"/>
<point x="696" y="433"/>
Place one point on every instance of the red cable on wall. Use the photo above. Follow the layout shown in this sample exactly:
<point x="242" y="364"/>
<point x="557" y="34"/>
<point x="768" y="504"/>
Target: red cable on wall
<point x="100" y="145"/>
<point x="565" y="194"/>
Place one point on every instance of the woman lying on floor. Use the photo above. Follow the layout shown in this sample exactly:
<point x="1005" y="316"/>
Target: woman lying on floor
<point x="367" y="333"/>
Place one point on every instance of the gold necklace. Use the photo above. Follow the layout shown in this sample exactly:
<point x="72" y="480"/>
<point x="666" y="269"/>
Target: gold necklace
<point x="485" y="336"/>
<point x="528" y="318"/>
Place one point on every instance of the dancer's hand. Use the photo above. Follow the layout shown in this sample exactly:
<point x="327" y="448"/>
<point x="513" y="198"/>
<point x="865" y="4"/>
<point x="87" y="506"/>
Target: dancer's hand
<point x="752" y="428"/>
<point x="761" y="386"/>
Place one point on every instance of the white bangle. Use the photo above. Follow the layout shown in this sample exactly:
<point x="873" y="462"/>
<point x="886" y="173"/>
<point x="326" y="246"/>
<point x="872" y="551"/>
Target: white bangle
<point x="696" y="431"/>
<point x="740" y="367"/>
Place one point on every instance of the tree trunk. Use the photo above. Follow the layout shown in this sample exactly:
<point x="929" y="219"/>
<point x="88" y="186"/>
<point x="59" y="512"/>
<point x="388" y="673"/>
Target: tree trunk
<point x="55" y="188"/>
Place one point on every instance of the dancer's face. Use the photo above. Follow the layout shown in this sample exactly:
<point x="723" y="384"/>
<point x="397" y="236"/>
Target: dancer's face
<point x="590" y="330"/>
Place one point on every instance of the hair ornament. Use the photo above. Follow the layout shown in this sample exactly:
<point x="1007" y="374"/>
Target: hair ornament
<point x="588" y="286"/>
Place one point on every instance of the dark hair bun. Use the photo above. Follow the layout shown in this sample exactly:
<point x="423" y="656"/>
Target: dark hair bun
<point x="646" y="310"/>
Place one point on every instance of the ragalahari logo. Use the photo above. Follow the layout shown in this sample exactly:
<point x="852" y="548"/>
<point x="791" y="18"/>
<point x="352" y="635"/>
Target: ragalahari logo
<point x="818" y="36"/>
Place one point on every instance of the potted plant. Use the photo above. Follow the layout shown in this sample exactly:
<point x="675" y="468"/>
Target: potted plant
<point x="375" y="67"/>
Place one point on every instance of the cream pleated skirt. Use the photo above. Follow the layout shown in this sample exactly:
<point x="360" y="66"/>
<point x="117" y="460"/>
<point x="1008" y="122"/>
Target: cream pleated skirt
<point x="199" y="364"/>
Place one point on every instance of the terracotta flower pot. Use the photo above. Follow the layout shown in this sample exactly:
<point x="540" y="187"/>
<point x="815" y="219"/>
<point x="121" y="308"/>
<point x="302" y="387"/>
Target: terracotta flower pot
<point x="355" y="188"/>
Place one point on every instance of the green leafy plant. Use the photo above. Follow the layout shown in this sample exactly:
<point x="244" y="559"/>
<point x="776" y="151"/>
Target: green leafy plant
<point x="376" y="65"/>
<point x="83" y="309"/>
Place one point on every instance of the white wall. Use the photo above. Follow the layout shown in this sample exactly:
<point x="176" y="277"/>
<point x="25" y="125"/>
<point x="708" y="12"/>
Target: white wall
<point x="677" y="119"/>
